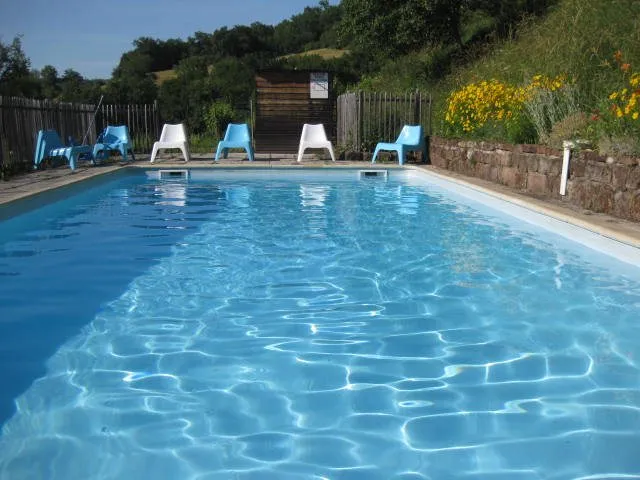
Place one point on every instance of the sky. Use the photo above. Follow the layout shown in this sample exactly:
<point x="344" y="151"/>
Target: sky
<point x="90" y="36"/>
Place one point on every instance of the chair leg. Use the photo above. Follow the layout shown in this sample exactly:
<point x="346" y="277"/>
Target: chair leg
<point x="333" y="155"/>
<point x="401" y="155"/>
<point x="185" y="153"/>
<point x="300" y="153"/>
<point x="72" y="161"/>
<point x="250" y="153"/>
<point x="375" y="154"/>
<point x="154" y="152"/>
<point x="219" y="149"/>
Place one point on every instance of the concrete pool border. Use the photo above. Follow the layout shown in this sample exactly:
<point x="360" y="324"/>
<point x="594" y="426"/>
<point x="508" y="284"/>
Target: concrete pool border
<point x="30" y="186"/>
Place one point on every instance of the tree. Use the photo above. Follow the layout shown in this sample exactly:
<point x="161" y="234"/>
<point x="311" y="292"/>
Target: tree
<point x="15" y="78"/>
<point x="186" y="98"/>
<point x="233" y="80"/>
<point x="305" y="30"/>
<point x="163" y="55"/>
<point x="132" y="80"/>
<point x="395" y="27"/>
<point x="49" y="82"/>
<point x="71" y="86"/>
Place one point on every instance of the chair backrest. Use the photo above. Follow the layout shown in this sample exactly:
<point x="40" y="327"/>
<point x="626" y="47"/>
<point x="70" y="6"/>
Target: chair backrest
<point x="313" y="132"/>
<point x="173" y="133"/>
<point x="50" y="140"/>
<point x="115" y="134"/>
<point x="47" y="141"/>
<point x="237" y="132"/>
<point x="410" y="135"/>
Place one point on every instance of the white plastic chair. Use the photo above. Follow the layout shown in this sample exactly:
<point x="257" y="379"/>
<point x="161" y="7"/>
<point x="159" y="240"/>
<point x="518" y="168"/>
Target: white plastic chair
<point x="172" y="136"/>
<point x="314" y="136"/>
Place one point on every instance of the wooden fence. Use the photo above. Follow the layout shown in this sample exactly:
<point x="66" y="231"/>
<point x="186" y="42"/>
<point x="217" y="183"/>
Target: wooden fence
<point x="22" y="118"/>
<point x="364" y="118"/>
<point x="143" y="122"/>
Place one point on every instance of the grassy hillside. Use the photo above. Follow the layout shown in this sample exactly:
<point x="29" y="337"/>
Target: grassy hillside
<point x="324" y="53"/>
<point x="164" y="75"/>
<point x="576" y="38"/>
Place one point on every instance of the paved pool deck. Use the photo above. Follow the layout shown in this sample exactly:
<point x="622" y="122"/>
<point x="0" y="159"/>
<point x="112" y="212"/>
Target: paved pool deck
<point x="31" y="184"/>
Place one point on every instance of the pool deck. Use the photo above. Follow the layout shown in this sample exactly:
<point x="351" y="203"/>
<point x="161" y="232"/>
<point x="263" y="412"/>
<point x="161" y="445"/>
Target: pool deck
<point x="28" y="185"/>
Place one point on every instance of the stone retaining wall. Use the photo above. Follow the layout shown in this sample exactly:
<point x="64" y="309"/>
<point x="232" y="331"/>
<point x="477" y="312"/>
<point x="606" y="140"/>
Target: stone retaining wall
<point x="600" y="184"/>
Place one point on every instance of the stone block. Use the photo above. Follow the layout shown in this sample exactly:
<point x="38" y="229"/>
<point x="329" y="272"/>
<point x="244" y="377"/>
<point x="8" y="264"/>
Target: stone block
<point x="549" y="165"/>
<point x="553" y="183"/>
<point x="629" y="161"/>
<point x="634" y="206"/>
<point x="591" y="156"/>
<point x="577" y="168"/>
<point x="533" y="163"/>
<point x="504" y="158"/>
<point x="619" y="176"/>
<point x="520" y="162"/>
<point x="598" y="172"/>
<point x="483" y="171"/>
<point x="494" y="173"/>
<point x="599" y="197"/>
<point x="633" y="179"/>
<point x="537" y="183"/>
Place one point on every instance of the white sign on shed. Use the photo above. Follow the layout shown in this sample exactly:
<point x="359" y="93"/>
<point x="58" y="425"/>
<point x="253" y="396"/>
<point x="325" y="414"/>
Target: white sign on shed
<point x="319" y="85"/>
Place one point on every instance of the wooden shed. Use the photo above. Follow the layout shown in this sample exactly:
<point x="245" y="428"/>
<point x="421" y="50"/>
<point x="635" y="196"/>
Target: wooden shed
<point x="285" y="101"/>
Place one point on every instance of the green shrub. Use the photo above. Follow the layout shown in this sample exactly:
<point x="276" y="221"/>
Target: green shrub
<point x="217" y="117"/>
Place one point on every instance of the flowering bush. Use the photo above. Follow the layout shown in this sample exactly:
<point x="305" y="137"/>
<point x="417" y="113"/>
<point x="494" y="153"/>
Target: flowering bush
<point x="496" y="105"/>
<point x="624" y="102"/>
<point x="617" y="125"/>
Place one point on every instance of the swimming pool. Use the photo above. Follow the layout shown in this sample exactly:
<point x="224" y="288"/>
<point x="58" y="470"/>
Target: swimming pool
<point x="278" y="325"/>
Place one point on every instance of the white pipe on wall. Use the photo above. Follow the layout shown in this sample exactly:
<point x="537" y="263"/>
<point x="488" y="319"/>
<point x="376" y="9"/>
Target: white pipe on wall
<point x="566" y="157"/>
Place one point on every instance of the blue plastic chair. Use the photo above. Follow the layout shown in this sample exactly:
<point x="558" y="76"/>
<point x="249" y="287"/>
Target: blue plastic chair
<point x="114" y="138"/>
<point x="410" y="139"/>
<point x="236" y="136"/>
<point x="49" y="145"/>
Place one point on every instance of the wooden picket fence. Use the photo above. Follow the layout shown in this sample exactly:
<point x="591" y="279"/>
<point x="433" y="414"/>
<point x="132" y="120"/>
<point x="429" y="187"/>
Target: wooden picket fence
<point x="366" y="118"/>
<point x="143" y="122"/>
<point x="22" y="118"/>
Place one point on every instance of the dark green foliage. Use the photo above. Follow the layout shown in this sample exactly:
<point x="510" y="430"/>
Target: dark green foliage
<point x="315" y="27"/>
<point x="186" y="98"/>
<point x="163" y="55"/>
<point x="233" y="80"/>
<point x="49" y="82"/>
<point x="398" y="27"/>
<point x="217" y="117"/>
<point x="15" y="78"/>
<point x="132" y="80"/>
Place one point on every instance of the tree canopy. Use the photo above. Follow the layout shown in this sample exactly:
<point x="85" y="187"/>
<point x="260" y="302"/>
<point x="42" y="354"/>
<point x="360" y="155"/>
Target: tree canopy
<point x="220" y="66"/>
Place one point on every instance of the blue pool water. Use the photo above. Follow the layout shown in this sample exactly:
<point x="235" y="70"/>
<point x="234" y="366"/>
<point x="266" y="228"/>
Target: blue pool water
<point x="298" y="328"/>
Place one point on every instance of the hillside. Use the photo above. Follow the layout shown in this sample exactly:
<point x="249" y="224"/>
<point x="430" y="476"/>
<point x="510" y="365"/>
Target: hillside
<point x="576" y="38"/>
